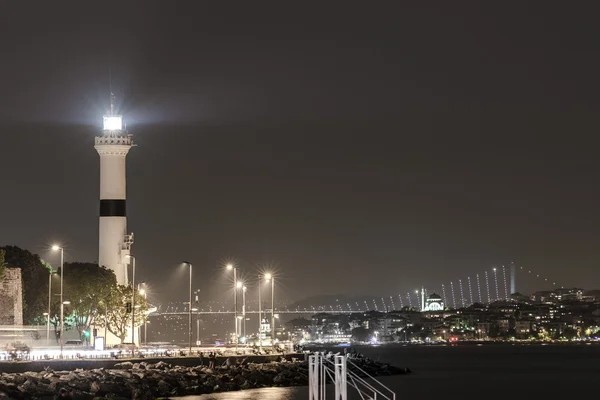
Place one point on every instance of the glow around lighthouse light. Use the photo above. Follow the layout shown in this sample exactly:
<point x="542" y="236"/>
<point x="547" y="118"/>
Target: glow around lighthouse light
<point x="113" y="123"/>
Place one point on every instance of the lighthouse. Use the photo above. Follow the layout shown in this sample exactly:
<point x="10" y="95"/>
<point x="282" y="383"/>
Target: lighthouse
<point x="114" y="242"/>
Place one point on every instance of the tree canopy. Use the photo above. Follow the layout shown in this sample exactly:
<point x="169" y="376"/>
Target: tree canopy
<point x="94" y="296"/>
<point x="116" y="311"/>
<point x="87" y="285"/>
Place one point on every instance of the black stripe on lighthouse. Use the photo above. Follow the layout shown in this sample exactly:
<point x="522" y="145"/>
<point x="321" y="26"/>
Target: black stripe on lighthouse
<point x="112" y="208"/>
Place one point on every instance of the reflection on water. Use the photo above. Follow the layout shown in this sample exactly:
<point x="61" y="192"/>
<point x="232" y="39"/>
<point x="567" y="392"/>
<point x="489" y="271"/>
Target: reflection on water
<point x="257" y="394"/>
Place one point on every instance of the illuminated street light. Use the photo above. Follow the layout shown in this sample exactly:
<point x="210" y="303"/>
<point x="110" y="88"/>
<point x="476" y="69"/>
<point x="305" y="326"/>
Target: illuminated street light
<point x="269" y="277"/>
<point x="144" y="293"/>
<point x="51" y="272"/>
<point x="62" y="313"/>
<point x="244" y="310"/>
<point x="260" y="330"/>
<point x="236" y="285"/>
<point x="190" y="308"/>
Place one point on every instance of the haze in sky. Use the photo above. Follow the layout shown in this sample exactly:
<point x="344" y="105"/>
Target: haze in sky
<point x="357" y="148"/>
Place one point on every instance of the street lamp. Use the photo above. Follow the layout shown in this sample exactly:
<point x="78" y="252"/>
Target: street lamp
<point x="47" y="315"/>
<point x="51" y="272"/>
<point x="235" y="319"/>
<point x="269" y="277"/>
<point x="190" y="308"/>
<point x="197" y="309"/>
<point x="259" y="314"/>
<point x="244" y="310"/>
<point x="132" y="301"/>
<point x="62" y="311"/>
<point x="145" y="294"/>
<point x="62" y="314"/>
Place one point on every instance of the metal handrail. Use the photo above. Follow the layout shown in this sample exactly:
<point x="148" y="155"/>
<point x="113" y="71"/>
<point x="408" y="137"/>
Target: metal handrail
<point x="375" y="380"/>
<point x="360" y="391"/>
<point x="354" y="376"/>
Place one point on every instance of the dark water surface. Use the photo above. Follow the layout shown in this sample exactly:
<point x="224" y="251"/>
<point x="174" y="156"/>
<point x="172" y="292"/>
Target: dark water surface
<point x="501" y="371"/>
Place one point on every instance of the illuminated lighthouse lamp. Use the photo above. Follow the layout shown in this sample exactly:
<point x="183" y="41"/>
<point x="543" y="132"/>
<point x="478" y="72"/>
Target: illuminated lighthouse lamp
<point x="113" y="123"/>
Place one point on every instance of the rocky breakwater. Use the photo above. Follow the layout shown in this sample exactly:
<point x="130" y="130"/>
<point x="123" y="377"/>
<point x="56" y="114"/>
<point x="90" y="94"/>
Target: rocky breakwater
<point x="149" y="381"/>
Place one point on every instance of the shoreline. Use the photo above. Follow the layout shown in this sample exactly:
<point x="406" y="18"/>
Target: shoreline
<point x="184" y="361"/>
<point x="457" y="343"/>
<point x="143" y="380"/>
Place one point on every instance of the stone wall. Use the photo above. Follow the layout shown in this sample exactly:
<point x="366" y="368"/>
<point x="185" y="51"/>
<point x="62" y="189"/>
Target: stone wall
<point x="11" y="297"/>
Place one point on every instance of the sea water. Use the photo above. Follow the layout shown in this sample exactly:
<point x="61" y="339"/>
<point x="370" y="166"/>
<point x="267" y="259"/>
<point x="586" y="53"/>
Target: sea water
<point x="490" y="371"/>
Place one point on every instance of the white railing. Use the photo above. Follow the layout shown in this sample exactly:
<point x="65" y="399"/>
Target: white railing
<point x="321" y="367"/>
<point x="389" y="394"/>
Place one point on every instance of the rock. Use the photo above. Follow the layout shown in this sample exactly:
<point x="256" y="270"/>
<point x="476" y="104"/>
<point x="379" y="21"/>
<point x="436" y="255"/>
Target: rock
<point x="110" y="388"/>
<point x="148" y="381"/>
<point x="164" y="389"/>
<point x="83" y="385"/>
<point x="246" y="385"/>
<point x="161" y="365"/>
<point x="121" y="373"/>
<point x="28" y="387"/>
<point x="43" y="389"/>
<point x="124" y="365"/>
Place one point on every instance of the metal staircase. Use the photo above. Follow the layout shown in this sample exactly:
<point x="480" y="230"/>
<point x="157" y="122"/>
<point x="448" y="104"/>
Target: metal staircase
<point x="320" y="368"/>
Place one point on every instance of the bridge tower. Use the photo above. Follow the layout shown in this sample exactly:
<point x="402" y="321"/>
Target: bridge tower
<point x="114" y="243"/>
<point x="513" y="278"/>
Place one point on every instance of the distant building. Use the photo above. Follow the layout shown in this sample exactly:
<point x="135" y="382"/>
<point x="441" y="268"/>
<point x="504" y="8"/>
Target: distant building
<point x="434" y="303"/>
<point x="523" y="328"/>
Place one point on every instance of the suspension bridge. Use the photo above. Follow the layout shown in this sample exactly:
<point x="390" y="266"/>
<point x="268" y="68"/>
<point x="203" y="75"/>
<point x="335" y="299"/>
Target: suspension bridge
<point x="490" y="285"/>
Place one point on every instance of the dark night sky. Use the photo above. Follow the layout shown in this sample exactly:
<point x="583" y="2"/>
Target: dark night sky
<point x="369" y="148"/>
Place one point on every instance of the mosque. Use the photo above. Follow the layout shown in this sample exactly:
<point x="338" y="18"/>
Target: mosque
<point x="432" y="303"/>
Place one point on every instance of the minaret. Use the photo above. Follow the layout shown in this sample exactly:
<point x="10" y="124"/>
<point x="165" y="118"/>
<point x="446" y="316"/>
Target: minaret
<point x="114" y="242"/>
<point x="423" y="306"/>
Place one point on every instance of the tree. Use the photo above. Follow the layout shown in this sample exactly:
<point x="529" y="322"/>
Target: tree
<point x="87" y="286"/>
<point x="116" y="311"/>
<point x="35" y="281"/>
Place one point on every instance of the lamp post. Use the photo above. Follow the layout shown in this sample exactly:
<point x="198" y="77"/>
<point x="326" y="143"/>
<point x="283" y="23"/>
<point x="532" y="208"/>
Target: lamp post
<point x="190" y="308"/>
<point x="47" y="315"/>
<point x="132" y="300"/>
<point x="269" y="277"/>
<point x="197" y="300"/>
<point x="259" y="314"/>
<point x="62" y="313"/>
<point x="235" y="336"/>
<point x="49" y="304"/>
<point x="238" y="325"/>
<point x="144" y="293"/>
<point x="244" y="310"/>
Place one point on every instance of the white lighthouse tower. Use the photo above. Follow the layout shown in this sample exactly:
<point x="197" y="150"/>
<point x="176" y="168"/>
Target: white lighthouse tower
<point x="114" y="242"/>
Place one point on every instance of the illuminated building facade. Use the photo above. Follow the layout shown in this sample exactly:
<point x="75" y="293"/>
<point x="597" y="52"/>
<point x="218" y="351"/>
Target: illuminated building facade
<point x="434" y="303"/>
